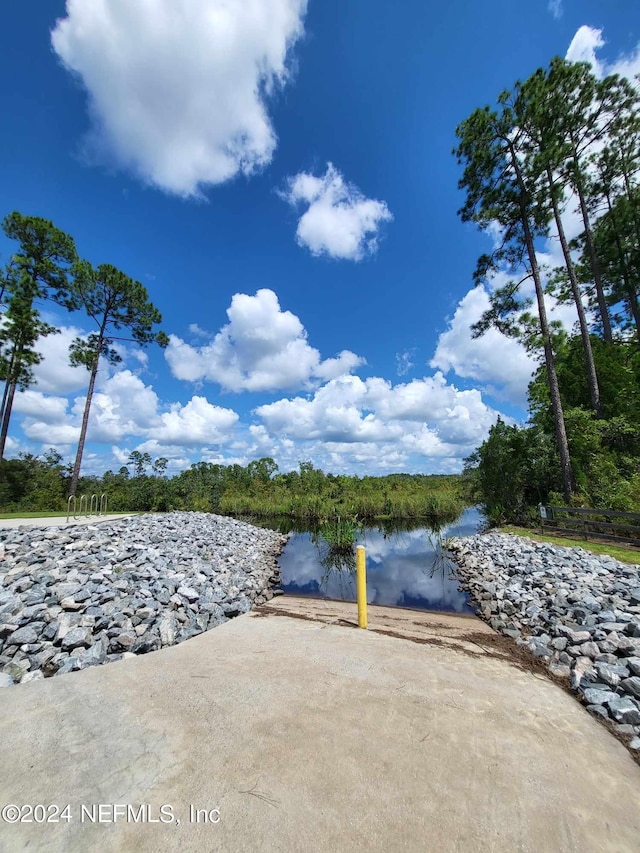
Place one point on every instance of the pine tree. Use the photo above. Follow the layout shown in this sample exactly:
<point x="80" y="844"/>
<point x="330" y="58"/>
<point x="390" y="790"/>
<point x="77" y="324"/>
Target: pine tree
<point x="115" y="303"/>
<point x="38" y="270"/>
<point x="497" y="194"/>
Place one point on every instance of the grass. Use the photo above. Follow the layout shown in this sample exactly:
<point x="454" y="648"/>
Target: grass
<point x="43" y="514"/>
<point x="340" y="535"/>
<point x="624" y="553"/>
<point x="33" y="514"/>
<point x="442" y="561"/>
<point x="322" y="508"/>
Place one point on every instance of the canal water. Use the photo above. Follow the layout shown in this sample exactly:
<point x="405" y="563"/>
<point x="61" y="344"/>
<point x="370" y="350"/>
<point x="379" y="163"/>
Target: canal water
<point x="405" y="567"/>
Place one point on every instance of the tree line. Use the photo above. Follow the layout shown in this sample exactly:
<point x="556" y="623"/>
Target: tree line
<point x="258" y="490"/>
<point x="562" y="146"/>
<point x="46" y="268"/>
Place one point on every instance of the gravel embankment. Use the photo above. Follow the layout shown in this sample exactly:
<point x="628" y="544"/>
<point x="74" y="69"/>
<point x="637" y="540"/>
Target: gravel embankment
<point x="74" y="597"/>
<point x="577" y="612"/>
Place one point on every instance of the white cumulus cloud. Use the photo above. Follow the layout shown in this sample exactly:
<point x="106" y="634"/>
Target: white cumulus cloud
<point x="35" y="404"/>
<point x="351" y="417"/>
<point x="584" y="47"/>
<point x="54" y="374"/>
<point x="199" y="422"/>
<point x="262" y="348"/>
<point x="124" y="407"/>
<point x="178" y="89"/>
<point x="492" y="359"/>
<point x="339" y="220"/>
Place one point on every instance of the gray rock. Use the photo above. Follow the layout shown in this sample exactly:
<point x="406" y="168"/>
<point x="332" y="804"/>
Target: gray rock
<point x="612" y="659"/>
<point x="23" y="635"/>
<point x="610" y="645"/>
<point x="613" y="626"/>
<point x="99" y="590"/>
<point x="50" y="631"/>
<point x="34" y="675"/>
<point x="624" y="728"/>
<point x="593" y="696"/>
<point x="5" y="679"/>
<point x="76" y="637"/>
<point x="148" y="642"/>
<point x="16" y="669"/>
<point x="71" y="604"/>
<point x="591" y="650"/>
<point x="40" y="659"/>
<point x="126" y="639"/>
<point x="574" y="637"/>
<point x="167" y="628"/>
<point x="629" y="646"/>
<point x="93" y="656"/>
<point x="611" y="674"/>
<point x="71" y="664"/>
<point x="624" y="711"/>
<point x="583" y="673"/>
<point x="591" y="603"/>
<point x="632" y="685"/>
<point x="599" y="711"/>
<point x="188" y="593"/>
<point x="537" y="647"/>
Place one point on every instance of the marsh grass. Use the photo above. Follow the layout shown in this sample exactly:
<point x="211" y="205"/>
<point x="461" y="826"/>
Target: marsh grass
<point x="321" y="509"/>
<point x="340" y="534"/>
<point x="442" y="562"/>
<point x="335" y="541"/>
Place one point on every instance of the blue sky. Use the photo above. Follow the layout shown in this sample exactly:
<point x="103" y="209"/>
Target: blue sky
<point x="279" y="175"/>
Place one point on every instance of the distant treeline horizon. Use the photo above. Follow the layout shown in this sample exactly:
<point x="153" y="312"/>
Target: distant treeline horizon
<point x="30" y="483"/>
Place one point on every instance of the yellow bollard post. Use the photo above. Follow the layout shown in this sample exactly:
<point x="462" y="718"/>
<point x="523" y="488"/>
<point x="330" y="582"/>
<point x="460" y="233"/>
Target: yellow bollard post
<point x="361" y="585"/>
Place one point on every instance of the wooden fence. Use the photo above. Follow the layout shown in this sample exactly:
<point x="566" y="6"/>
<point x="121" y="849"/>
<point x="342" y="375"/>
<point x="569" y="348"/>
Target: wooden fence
<point x="596" y="523"/>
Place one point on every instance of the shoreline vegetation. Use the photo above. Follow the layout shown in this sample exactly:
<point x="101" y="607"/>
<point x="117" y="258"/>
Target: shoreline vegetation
<point x="40" y="485"/>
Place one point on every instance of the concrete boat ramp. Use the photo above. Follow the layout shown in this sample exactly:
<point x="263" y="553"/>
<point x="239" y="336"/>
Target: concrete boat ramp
<point x="289" y="729"/>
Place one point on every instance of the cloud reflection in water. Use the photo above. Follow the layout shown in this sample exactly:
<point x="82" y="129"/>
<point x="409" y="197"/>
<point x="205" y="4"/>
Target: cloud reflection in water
<point x="402" y="569"/>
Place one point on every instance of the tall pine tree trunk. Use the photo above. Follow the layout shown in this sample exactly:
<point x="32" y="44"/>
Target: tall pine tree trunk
<point x="632" y="198"/>
<point x="629" y="288"/>
<point x="9" y="393"/>
<point x="85" y="423"/>
<point x="592" y="376"/>
<point x="603" y="308"/>
<point x="552" y="377"/>
<point x="634" y="310"/>
<point x="7" y="382"/>
<point x="6" y="416"/>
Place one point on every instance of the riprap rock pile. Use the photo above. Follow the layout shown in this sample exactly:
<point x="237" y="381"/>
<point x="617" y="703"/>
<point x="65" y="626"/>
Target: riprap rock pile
<point x="72" y="597"/>
<point x="578" y="612"/>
